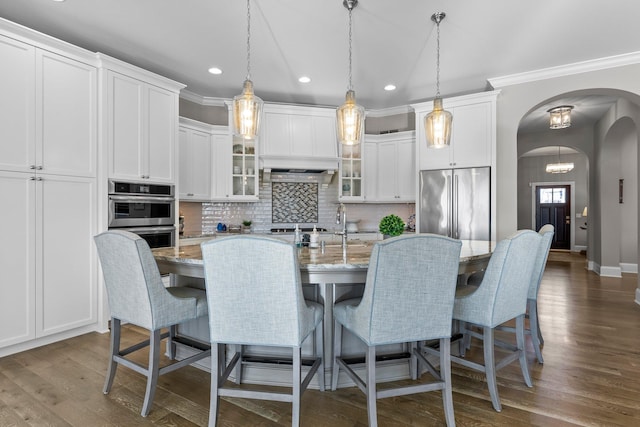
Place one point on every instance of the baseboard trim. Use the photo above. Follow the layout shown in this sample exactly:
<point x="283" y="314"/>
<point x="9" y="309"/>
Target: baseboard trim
<point x="629" y="267"/>
<point x="608" y="271"/>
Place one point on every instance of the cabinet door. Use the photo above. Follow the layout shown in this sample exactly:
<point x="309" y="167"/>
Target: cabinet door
<point x="66" y="281"/>
<point x="160" y="125"/>
<point x="277" y="135"/>
<point x="471" y="137"/>
<point x="221" y="170"/>
<point x="195" y="165"/>
<point x="370" y="171"/>
<point x="406" y="171"/>
<point x="124" y="126"/>
<point x="17" y="257"/>
<point x="17" y="105"/>
<point x="66" y="117"/>
<point x="324" y="136"/>
<point x="386" y="173"/>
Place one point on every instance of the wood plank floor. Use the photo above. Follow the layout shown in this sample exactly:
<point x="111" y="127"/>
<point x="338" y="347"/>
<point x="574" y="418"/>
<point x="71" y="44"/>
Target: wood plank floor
<point x="591" y="376"/>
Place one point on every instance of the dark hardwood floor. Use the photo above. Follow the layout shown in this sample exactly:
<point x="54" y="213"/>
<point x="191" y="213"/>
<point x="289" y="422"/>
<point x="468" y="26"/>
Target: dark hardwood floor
<point x="591" y="376"/>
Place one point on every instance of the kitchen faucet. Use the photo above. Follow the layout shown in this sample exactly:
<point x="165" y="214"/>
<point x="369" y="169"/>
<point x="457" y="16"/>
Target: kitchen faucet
<point x="341" y="218"/>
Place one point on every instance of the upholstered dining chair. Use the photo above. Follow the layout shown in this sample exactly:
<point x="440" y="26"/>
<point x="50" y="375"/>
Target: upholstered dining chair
<point x="254" y="287"/>
<point x="137" y="295"/>
<point x="502" y="296"/>
<point x="408" y="298"/>
<point x="546" y="231"/>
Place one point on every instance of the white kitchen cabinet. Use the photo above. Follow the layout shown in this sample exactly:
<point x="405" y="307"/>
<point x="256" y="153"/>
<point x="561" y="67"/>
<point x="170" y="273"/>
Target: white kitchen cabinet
<point x="390" y="167"/>
<point x="221" y="169"/>
<point x="472" y="136"/>
<point x="296" y="137"/>
<point x="51" y="271"/>
<point x="352" y="180"/>
<point x="48" y="113"/>
<point x="195" y="178"/>
<point x="142" y="121"/>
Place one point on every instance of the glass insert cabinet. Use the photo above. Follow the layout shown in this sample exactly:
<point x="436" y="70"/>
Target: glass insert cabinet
<point x="350" y="173"/>
<point x="243" y="168"/>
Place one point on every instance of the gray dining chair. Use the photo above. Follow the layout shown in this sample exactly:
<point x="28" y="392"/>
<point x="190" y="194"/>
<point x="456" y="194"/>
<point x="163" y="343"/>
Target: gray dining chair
<point x="254" y="287"/>
<point x="534" y="330"/>
<point x="408" y="298"/>
<point x="501" y="297"/>
<point x="137" y="296"/>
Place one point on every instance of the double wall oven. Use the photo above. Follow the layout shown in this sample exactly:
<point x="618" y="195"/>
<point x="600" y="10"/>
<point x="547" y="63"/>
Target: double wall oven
<point x="144" y="209"/>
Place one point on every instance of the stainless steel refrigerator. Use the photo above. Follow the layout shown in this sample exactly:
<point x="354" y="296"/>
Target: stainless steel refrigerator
<point x="456" y="203"/>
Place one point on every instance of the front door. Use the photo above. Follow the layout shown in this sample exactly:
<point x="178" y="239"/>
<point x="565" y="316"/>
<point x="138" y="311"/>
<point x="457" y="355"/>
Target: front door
<point x="553" y="206"/>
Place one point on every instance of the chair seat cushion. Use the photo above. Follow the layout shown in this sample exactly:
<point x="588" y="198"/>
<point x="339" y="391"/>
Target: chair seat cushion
<point x="199" y="294"/>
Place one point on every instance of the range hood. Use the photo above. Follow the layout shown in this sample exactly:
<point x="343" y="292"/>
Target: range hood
<point x="322" y="177"/>
<point x="298" y="169"/>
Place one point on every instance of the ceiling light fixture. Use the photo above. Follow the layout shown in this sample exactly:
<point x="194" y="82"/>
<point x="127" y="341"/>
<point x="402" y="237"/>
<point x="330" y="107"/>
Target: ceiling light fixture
<point x="304" y="79"/>
<point x="247" y="107"/>
<point x="437" y="124"/>
<point x="559" y="167"/>
<point x="560" y="117"/>
<point x="390" y="87"/>
<point x="215" y="70"/>
<point x="350" y="115"/>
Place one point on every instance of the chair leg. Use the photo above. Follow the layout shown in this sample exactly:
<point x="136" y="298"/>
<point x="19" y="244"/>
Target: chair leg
<point x="445" y="374"/>
<point x="171" y="345"/>
<point x="214" y="400"/>
<point x="413" y="360"/>
<point x="337" y="349"/>
<point x="296" y="384"/>
<point x="238" y="370"/>
<point x="466" y="339"/>
<point x="113" y="351"/>
<point x="536" y="336"/>
<point x="152" y="371"/>
<point x="523" y="355"/>
<point x="371" y="386"/>
<point x="320" y="353"/>
<point x="490" y="367"/>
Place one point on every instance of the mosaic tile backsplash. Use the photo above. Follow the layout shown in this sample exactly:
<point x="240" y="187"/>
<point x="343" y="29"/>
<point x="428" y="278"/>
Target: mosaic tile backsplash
<point x="294" y="202"/>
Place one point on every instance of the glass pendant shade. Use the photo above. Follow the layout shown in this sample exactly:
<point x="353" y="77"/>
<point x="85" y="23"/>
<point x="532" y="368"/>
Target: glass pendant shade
<point x="559" y="167"/>
<point x="247" y="109"/>
<point x="560" y="117"/>
<point x="437" y="126"/>
<point x="350" y="118"/>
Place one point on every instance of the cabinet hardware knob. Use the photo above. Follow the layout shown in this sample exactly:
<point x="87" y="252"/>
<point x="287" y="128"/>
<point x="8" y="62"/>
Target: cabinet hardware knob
<point x="39" y="167"/>
<point x="32" y="167"/>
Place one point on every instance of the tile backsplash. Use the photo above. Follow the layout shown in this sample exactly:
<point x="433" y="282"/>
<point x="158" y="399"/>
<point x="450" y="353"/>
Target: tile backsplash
<point x="202" y="218"/>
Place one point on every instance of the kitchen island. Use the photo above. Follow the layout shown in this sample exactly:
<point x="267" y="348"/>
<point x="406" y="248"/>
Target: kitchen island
<point x="328" y="276"/>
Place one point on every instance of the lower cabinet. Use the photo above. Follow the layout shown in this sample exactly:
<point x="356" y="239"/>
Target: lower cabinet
<point x="390" y="172"/>
<point x="49" y="263"/>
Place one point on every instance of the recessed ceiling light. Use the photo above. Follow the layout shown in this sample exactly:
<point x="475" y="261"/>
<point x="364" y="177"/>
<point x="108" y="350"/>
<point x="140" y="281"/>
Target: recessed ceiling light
<point x="304" y="79"/>
<point x="58" y="1"/>
<point x="390" y="87"/>
<point x="215" y="70"/>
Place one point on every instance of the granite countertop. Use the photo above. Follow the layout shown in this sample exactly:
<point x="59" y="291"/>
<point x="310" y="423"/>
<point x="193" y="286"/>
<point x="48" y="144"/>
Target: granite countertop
<point x="356" y="256"/>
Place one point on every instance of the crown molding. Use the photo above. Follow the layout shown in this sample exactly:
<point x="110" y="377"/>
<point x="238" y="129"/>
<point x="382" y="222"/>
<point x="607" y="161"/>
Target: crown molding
<point x="203" y="100"/>
<point x="566" y="70"/>
<point x="385" y="112"/>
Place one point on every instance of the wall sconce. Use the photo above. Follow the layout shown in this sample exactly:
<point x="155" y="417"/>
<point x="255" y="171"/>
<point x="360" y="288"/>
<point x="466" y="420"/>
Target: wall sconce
<point x="560" y="117"/>
<point x="584" y="215"/>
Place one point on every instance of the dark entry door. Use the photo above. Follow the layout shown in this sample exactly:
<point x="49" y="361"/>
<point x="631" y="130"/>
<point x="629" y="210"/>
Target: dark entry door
<point x="553" y="206"/>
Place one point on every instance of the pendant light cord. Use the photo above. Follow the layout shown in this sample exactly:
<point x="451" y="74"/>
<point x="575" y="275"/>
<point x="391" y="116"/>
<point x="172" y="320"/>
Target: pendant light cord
<point x="248" y="39"/>
<point x="438" y="58"/>
<point x="350" y="51"/>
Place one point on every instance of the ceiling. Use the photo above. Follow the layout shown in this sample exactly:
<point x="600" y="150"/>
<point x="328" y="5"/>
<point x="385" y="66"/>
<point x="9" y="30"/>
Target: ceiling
<point x="393" y="42"/>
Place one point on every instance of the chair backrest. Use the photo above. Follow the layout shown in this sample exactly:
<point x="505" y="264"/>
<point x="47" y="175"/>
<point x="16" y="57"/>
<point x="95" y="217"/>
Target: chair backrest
<point x="254" y="291"/>
<point x="502" y="295"/>
<point x="410" y="289"/>
<point x="546" y="231"/>
<point x="134" y="286"/>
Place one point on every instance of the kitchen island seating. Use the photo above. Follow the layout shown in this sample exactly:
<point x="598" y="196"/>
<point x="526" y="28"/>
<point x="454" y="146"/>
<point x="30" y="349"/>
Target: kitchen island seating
<point x="546" y="231"/>
<point x="408" y="297"/>
<point x="137" y="296"/>
<point x="502" y="296"/>
<point x="253" y="285"/>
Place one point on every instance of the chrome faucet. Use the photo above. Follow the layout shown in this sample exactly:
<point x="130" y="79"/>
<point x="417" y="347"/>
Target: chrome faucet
<point x="341" y="218"/>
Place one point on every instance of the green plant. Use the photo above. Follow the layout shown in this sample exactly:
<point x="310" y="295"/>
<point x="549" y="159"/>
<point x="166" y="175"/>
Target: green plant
<point x="246" y="223"/>
<point x="391" y="225"/>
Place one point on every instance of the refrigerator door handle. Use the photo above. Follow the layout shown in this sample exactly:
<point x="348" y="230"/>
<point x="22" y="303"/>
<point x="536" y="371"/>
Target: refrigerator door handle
<point x="455" y="233"/>
<point x="450" y="222"/>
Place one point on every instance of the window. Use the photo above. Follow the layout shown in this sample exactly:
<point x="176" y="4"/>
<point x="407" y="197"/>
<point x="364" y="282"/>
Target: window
<point x="553" y="195"/>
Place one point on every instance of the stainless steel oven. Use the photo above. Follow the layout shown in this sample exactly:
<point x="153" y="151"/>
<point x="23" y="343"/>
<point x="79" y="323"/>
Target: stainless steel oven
<point x="145" y="209"/>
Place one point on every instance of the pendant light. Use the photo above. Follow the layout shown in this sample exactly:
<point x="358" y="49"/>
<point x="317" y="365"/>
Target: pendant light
<point x="560" y="117"/>
<point x="437" y="124"/>
<point x="247" y="107"/>
<point x="350" y="115"/>
<point x="559" y="167"/>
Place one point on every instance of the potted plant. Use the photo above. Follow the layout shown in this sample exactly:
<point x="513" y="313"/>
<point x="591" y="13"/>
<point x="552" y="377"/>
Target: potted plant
<point x="247" y="225"/>
<point x="391" y="225"/>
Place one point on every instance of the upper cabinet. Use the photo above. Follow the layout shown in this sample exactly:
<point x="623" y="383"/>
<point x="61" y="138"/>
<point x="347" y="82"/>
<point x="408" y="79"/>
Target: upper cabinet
<point x="390" y="167"/>
<point x="48" y="113"/>
<point x="351" y="185"/>
<point x="473" y="133"/>
<point x="141" y="124"/>
<point x="298" y="137"/>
